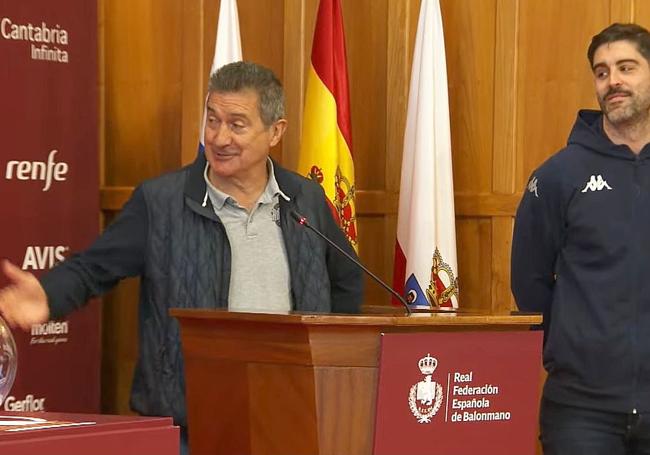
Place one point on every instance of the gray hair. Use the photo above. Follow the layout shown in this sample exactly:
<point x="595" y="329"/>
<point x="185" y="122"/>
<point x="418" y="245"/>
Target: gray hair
<point x="238" y="76"/>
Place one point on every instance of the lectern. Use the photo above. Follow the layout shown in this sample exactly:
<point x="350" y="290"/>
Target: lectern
<point x="298" y="384"/>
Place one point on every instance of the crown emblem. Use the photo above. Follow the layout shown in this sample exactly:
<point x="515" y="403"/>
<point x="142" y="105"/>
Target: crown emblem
<point x="425" y="397"/>
<point x="428" y="364"/>
<point x="438" y="293"/>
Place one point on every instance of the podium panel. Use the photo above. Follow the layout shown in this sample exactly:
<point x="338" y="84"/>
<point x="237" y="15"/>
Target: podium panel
<point x="461" y="393"/>
<point x="299" y="384"/>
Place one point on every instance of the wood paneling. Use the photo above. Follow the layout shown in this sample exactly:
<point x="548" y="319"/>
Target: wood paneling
<point x="142" y="54"/>
<point x="470" y="24"/>
<point x="517" y="73"/>
<point x="553" y="75"/>
<point x="365" y="23"/>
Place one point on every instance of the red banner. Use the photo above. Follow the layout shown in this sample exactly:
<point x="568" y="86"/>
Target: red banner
<point x="48" y="187"/>
<point x="458" y="393"/>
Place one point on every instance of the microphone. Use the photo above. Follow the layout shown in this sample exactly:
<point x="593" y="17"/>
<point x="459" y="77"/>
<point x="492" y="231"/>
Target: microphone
<point x="303" y="222"/>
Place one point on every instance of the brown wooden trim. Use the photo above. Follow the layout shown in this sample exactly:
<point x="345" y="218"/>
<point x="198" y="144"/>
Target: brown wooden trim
<point x="486" y="205"/>
<point x="505" y="91"/>
<point x="193" y="79"/>
<point x="293" y="79"/>
<point x="398" y="70"/>
<point x="467" y="205"/>
<point x="370" y="202"/>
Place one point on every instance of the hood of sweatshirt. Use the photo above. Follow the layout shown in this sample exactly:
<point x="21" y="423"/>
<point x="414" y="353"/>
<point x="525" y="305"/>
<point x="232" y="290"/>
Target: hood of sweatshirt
<point x="588" y="132"/>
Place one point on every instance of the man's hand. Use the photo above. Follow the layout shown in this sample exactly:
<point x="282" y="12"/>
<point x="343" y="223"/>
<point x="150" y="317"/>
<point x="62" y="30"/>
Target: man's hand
<point x="23" y="302"/>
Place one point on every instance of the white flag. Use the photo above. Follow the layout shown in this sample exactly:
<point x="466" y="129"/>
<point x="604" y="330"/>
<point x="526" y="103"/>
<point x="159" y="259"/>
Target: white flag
<point x="425" y="252"/>
<point x="227" y="47"/>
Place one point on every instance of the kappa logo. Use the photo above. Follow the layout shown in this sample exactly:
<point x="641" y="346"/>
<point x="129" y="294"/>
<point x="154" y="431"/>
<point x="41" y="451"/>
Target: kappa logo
<point x="532" y="186"/>
<point x="425" y="397"/>
<point x="596" y="183"/>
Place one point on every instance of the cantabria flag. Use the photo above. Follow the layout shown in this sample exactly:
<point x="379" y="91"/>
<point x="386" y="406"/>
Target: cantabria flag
<point x="227" y="48"/>
<point x="326" y="149"/>
<point x="426" y="270"/>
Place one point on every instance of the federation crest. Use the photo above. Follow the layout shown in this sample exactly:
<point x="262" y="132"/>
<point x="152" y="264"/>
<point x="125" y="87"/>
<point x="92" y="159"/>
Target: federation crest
<point x="425" y="397"/>
<point x="443" y="285"/>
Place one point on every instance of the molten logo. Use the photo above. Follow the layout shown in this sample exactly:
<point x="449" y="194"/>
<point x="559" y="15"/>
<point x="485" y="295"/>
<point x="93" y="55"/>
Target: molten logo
<point x="38" y="170"/>
<point x="43" y="257"/>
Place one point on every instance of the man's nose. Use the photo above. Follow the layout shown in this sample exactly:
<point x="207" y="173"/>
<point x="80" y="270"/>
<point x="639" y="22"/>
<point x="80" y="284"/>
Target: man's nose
<point x="615" y="79"/>
<point x="220" y="135"/>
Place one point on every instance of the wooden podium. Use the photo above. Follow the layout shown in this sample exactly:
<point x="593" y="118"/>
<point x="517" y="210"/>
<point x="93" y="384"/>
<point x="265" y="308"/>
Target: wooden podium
<point x="298" y="384"/>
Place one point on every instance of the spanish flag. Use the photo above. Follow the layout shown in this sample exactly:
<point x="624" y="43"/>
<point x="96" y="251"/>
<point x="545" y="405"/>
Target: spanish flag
<point x="326" y="149"/>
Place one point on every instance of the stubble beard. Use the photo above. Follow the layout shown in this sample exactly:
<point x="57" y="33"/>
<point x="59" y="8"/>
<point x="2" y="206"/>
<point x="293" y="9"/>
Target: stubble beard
<point x="635" y="111"/>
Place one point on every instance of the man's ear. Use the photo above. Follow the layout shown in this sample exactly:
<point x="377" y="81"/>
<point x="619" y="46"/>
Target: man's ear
<point x="277" y="131"/>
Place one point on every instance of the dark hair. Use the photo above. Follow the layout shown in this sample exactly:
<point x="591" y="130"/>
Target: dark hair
<point x="633" y="33"/>
<point x="238" y="76"/>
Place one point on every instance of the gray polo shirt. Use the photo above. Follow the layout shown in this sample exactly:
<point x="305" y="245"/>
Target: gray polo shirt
<point x="259" y="280"/>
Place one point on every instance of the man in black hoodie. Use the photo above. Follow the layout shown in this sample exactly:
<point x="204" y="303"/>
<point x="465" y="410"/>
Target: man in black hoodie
<point x="581" y="256"/>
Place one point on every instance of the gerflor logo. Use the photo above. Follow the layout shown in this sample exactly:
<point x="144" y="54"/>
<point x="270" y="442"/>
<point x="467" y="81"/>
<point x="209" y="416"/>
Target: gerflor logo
<point x="28" y="404"/>
<point x="596" y="183"/>
<point x="47" y="172"/>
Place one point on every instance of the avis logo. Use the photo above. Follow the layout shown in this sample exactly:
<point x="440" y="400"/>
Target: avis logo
<point x="43" y="257"/>
<point x="38" y="170"/>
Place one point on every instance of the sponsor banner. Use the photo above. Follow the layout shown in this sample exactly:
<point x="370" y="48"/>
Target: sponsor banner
<point x="458" y="393"/>
<point x="48" y="186"/>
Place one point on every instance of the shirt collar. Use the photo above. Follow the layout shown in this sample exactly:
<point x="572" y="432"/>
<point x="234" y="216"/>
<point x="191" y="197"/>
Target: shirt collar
<point x="219" y="198"/>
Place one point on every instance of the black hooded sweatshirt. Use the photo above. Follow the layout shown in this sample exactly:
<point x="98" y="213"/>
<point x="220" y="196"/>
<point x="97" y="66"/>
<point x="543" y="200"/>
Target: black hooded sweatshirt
<point x="581" y="256"/>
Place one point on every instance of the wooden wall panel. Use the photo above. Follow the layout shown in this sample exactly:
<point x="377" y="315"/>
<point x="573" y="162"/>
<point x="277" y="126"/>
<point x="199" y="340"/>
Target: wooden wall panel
<point x="143" y="89"/>
<point x="470" y="24"/>
<point x="474" y="262"/>
<point x="366" y="41"/>
<point x="504" y="146"/>
<point x="624" y="10"/>
<point x="554" y="77"/>
<point x="639" y="11"/>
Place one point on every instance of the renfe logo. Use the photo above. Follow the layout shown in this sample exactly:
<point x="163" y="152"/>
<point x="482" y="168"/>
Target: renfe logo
<point x="38" y="170"/>
<point x="43" y="257"/>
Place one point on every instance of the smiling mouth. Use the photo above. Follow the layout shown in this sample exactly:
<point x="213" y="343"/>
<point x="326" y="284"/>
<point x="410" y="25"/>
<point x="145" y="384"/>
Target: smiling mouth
<point x="616" y="97"/>
<point x="223" y="155"/>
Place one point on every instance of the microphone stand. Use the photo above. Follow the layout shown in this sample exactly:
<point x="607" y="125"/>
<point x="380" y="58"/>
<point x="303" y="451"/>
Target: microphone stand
<point x="303" y="221"/>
